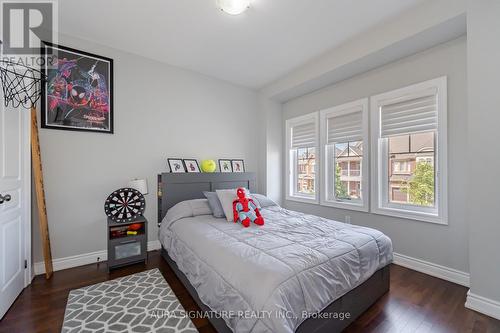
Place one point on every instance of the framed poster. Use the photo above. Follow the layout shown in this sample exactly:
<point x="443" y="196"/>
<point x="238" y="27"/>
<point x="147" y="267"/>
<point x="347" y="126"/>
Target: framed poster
<point x="238" y="165"/>
<point x="78" y="93"/>
<point x="191" y="165"/>
<point x="176" y="165"/>
<point x="225" y="166"/>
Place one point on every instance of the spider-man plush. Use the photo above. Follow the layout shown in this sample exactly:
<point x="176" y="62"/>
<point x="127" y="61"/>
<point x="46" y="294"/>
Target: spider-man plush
<point x="245" y="210"/>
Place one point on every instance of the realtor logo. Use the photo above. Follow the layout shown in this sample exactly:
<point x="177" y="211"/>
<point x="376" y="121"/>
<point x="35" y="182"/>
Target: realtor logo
<point x="25" y="24"/>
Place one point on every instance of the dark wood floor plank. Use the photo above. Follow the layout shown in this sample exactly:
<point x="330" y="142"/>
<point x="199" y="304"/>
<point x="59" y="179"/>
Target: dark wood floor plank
<point x="415" y="303"/>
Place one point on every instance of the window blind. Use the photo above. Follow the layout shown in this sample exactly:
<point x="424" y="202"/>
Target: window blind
<point x="345" y="128"/>
<point x="412" y="115"/>
<point x="304" y="135"/>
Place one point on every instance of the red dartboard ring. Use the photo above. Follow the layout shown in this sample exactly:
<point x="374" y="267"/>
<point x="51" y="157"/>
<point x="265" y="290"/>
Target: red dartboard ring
<point x="124" y="205"/>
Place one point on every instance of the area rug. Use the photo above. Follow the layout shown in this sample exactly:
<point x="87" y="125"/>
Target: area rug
<point x="142" y="302"/>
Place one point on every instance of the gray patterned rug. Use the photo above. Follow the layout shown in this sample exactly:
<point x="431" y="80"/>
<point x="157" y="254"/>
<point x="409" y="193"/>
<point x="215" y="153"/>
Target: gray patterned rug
<point x="141" y="302"/>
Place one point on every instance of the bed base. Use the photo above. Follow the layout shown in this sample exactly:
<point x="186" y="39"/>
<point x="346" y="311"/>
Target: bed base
<point x="354" y="302"/>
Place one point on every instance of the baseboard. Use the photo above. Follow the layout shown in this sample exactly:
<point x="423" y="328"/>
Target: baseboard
<point x="83" y="259"/>
<point x="419" y="265"/>
<point x="429" y="268"/>
<point x="154" y="245"/>
<point x="483" y="305"/>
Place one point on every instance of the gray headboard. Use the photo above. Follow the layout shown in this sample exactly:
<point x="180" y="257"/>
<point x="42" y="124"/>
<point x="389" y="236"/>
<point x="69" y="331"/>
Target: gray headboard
<point x="176" y="187"/>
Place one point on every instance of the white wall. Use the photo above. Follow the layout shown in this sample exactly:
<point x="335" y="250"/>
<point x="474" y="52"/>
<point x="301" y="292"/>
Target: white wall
<point x="483" y="29"/>
<point x="160" y="111"/>
<point x="431" y="22"/>
<point x="443" y="245"/>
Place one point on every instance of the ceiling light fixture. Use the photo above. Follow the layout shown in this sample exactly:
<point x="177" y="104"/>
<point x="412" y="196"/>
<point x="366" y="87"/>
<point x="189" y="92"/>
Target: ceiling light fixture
<point x="233" y="7"/>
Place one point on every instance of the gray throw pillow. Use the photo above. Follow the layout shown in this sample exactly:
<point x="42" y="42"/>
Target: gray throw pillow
<point x="262" y="200"/>
<point x="214" y="203"/>
<point x="254" y="198"/>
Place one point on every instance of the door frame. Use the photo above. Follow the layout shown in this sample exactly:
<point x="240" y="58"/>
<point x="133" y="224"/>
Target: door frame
<point x="26" y="200"/>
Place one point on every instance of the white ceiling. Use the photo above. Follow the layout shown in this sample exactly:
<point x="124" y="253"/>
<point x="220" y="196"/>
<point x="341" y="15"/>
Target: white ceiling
<point x="252" y="49"/>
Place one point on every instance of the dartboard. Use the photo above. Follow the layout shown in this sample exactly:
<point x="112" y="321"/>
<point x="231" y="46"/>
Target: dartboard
<point x="124" y="205"/>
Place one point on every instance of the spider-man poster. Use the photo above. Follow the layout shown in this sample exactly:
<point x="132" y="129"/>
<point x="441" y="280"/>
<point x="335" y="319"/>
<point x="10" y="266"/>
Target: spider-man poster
<point x="78" y="93"/>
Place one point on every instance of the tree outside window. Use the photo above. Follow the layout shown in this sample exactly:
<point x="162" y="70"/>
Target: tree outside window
<point x="340" y="186"/>
<point x="421" y="186"/>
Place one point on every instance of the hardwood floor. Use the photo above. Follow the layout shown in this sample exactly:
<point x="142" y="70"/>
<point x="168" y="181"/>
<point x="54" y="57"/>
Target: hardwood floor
<point x="415" y="303"/>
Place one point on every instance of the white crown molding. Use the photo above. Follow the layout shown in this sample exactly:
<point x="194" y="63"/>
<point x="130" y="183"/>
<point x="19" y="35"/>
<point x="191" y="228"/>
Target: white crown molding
<point x="83" y="259"/>
<point x="429" y="268"/>
<point x="483" y="305"/>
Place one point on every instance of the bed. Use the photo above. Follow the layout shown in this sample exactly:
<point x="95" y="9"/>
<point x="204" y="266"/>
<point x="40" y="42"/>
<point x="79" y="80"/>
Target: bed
<point x="298" y="273"/>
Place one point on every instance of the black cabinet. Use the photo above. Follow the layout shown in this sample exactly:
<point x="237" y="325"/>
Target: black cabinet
<point x="127" y="242"/>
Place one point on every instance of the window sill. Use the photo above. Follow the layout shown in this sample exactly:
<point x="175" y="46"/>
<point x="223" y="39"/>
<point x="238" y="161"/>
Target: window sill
<point x="345" y="205"/>
<point x="302" y="199"/>
<point x="410" y="215"/>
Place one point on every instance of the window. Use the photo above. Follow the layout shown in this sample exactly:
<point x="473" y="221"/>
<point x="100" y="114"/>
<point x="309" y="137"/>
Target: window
<point x="409" y="150"/>
<point x="306" y="171"/>
<point x="400" y="166"/>
<point x="302" y="142"/>
<point x="344" y="137"/>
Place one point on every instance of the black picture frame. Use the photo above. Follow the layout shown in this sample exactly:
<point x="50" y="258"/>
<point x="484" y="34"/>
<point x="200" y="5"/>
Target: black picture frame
<point x="179" y="162"/>
<point x="235" y="169"/>
<point x="191" y="160"/>
<point x="222" y="167"/>
<point x="80" y="58"/>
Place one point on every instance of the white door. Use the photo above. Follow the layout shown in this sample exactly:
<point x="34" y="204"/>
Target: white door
<point x="14" y="203"/>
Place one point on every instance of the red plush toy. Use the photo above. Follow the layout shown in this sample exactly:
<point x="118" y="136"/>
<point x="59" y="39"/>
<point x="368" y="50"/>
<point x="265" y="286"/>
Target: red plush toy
<point x="245" y="210"/>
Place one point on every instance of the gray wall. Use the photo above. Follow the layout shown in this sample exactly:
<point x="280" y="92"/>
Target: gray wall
<point x="483" y="29"/>
<point x="160" y="111"/>
<point x="443" y="245"/>
<point x="271" y="140"/>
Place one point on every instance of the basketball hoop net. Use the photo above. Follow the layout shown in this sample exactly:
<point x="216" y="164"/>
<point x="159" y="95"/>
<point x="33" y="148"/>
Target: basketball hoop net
<point x="21" y="84"/>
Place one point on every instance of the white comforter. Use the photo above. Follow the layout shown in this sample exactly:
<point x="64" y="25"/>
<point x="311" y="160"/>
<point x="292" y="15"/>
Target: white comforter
<point x="273" y="275"/>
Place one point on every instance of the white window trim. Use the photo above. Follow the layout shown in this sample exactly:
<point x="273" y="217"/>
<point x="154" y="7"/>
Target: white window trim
<point x="289" y="124"/>
<point x="338" y="111"/>
<point x="379" y="165"/>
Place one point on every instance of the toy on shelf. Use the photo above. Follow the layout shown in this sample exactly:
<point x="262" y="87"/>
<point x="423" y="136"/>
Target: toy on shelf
<point x="133" y="229"/>
<point x="135" y="226"/>
<point x="208" y="166"/>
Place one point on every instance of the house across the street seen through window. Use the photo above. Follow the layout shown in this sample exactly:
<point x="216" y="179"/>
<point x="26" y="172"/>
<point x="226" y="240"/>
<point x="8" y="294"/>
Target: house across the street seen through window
<point x="411" y="171"/>
<point x="306" y="161"/>
<point x="348" y="159"/>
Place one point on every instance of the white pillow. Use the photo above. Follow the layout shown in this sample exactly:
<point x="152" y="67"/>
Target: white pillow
<point x="226" y="198"/>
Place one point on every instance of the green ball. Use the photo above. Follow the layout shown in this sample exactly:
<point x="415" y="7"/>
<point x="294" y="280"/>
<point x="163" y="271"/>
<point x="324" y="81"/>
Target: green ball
<point x="208" y="166"/>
